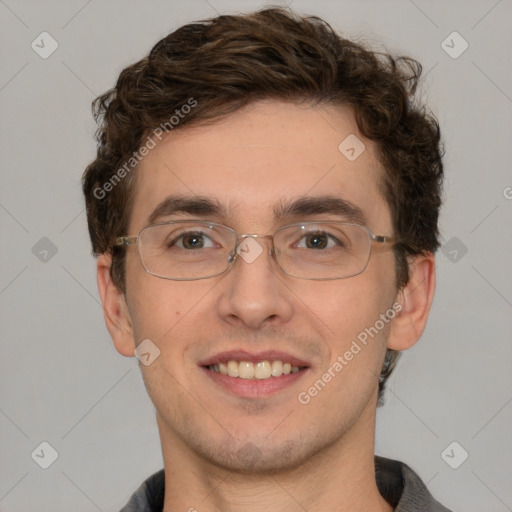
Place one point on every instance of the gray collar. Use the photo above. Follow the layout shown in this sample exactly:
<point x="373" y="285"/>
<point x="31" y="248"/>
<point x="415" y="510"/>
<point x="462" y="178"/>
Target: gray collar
<point x="400" y="486"/>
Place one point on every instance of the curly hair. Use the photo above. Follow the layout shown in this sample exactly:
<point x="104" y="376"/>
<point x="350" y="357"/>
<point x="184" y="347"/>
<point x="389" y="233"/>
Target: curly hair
<point x="225" y="63"/>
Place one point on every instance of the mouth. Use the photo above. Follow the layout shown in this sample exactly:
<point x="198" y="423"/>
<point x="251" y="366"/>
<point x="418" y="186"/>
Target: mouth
<point x="260" y="370"/>
<point x="254" y="375"/>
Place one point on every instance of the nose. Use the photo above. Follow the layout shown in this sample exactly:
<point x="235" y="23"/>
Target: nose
<point x="253" y="293"/>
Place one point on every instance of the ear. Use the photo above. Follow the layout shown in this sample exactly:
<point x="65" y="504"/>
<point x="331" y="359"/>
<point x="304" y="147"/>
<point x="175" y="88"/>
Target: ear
<point x="415" y="300"/>
<point x="115" y="310"/>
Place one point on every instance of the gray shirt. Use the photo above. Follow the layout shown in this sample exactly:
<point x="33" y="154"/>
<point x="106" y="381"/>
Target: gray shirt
<point x="400" y="486"/>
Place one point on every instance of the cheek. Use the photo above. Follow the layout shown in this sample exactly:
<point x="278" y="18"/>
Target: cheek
<point x="348" y="306"/>
<point x="356" y="314"/>
<point x="166" y="311"/>
<point x="356" y="342"/>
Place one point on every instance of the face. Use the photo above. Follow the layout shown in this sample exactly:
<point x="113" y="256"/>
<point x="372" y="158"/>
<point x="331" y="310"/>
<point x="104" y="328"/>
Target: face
<point x="252" y="165"/>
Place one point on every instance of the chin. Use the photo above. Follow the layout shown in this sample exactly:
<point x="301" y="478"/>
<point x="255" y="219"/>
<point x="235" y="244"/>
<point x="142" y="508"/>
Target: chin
<point x="258" y="456"/>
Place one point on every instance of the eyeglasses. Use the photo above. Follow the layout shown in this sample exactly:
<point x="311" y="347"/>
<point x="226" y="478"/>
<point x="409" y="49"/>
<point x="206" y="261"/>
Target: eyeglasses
<point x="186" y="250"/>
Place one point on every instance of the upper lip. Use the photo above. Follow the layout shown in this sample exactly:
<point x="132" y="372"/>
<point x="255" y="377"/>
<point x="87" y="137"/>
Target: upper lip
<point x="253" y="357"/>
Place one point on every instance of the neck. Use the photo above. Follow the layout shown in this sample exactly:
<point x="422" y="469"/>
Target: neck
<point x="340" y="477"/>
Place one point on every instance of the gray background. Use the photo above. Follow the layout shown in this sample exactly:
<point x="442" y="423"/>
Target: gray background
<point x="61" y="379"/>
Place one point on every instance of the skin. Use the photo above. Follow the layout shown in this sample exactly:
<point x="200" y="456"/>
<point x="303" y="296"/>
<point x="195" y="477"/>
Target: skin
<point x="223" y="452"/>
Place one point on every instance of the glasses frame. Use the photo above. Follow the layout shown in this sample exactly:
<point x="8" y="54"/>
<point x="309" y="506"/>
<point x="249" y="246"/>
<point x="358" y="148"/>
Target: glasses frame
<point x="126" y="241"/>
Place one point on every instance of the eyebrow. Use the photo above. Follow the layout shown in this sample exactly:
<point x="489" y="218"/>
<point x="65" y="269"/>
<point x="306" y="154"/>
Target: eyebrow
<point x="303" y="206"/>
<point x="197" y="205"/>
<point x="333" y="205"/>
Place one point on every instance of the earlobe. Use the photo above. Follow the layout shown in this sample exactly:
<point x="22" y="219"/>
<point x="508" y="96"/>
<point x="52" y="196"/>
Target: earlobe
<point x="115" y="310"/>
<point x="415" y="300"/>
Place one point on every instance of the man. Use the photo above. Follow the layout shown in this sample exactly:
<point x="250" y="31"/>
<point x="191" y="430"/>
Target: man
<point x="264" y="208"/>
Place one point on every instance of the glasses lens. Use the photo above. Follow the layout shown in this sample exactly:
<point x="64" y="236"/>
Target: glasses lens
<point x="185" y="250"/>
<point x="322" y="250"/>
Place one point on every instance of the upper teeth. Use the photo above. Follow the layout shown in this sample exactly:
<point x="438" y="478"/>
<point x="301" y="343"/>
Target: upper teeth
<point x="260" y="370"/>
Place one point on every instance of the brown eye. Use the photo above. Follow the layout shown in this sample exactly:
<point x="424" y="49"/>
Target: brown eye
<point x="316" y="241"/>
<point x="319" y="240"/>
<point x="192" y="241"/>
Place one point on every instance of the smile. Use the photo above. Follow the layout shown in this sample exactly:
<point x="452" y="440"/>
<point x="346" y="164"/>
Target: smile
<point x="259" y="370"/>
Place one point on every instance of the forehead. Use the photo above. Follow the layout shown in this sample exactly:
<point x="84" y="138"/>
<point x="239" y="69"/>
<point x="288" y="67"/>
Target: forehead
<point x="260" y="157"/>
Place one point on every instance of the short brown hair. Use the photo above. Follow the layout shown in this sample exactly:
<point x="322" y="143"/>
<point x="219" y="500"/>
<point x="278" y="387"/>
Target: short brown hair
<point x="228" y="62"/>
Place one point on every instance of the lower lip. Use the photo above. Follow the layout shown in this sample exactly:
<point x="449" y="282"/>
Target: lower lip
<point x="254" y="388"/>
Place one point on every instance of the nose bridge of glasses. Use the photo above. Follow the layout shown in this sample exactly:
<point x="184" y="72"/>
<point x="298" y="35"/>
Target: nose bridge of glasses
<point x="240" y="240"/>
<point x="250" y="235"/>
<point x="243" y="237"/>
